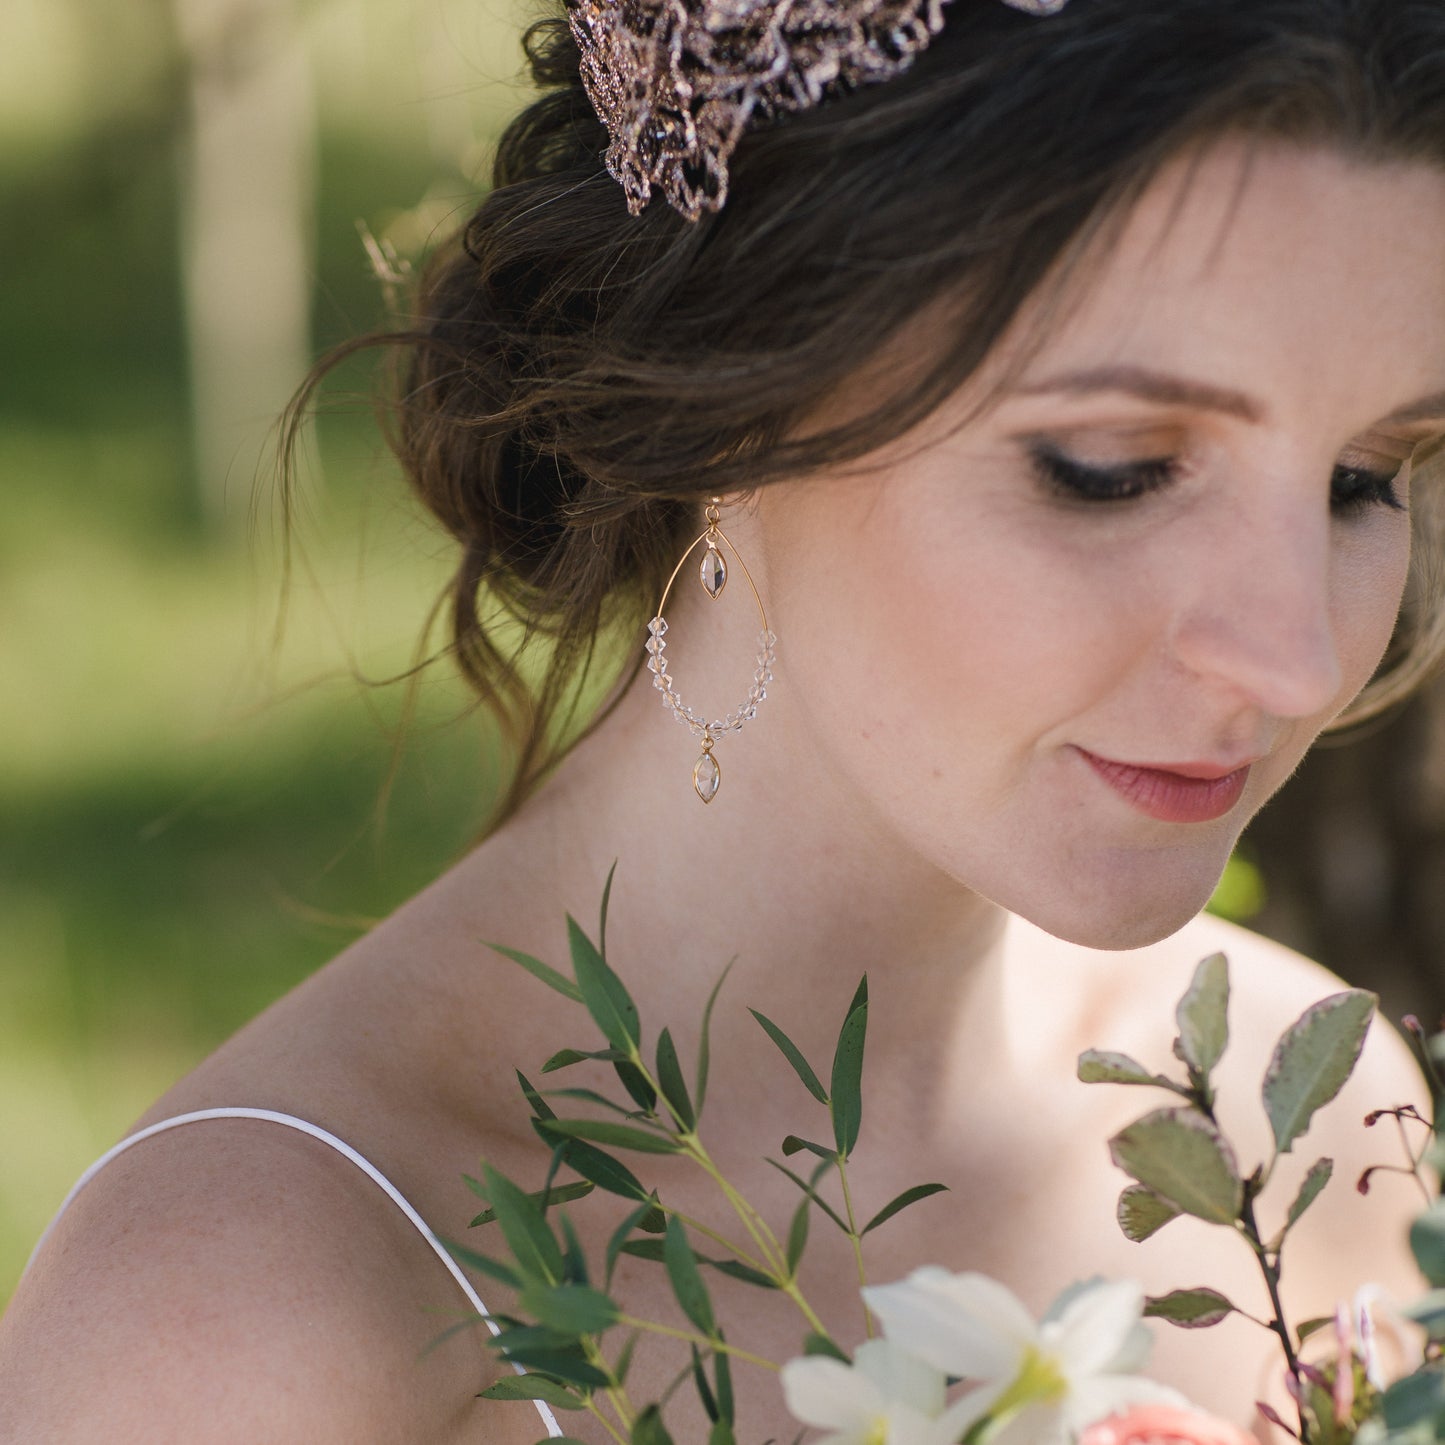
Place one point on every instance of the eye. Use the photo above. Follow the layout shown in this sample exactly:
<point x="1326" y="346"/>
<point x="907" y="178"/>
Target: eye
<point x="1355" y="489"/>
<point x="1078" y="481"/>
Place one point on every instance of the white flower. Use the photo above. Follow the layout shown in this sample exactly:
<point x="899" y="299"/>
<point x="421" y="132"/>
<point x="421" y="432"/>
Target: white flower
<point x="1042" y="1384"/>
<point x="885" y="1397"/>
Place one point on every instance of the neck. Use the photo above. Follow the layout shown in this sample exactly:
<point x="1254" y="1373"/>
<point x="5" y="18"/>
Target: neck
<point x="786" y="871"/>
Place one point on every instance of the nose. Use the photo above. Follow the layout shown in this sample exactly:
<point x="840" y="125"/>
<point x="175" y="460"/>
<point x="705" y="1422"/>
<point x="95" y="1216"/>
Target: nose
<point x="1258" y="620"/>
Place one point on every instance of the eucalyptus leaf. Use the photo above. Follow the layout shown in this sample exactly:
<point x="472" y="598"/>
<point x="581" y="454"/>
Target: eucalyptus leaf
<point x="565" y="1058"/>
<point x="623" y="1363"/>
<point x="704" y="1044"/>
<point x="793" y="1055"/>
<point x="704" y="1389"/>
<point x="798" y="1234"/>
<point x="744" y="1272"/>
<point x="723" y="1375"/>
<point x="648" y="1429"/>
<point x="817" y="1344"/>
<point x="1203" y="1016"/>
<point x="901" y="1202"/>
<point x="602" y="919"/>
<point x="721" y="1434"/>
<point x="535" y="1250"/>
<point x="1418" y="1399"/>
<point x="1312" y="1061"/>
<point x="565" y="1365"/>
<point x="1185" y="1160"/>
<point x="619" y="1136"/>
<point x="1190" y="1309"/>
<point x="558" y="982"/>
<point x="603" y="993"/>
<point x="540" y="1107"/>
<point x="591" y="1096"/>
<point x="792" y="1144"/>
<point x="535" y="1387"/>
<point x="603" y="1170"/>
<point x="810" y="1188"/>
<point x="484" y="1264"/>
<point x="543" y="1198"/>
<point x="574" y="1257"/>
<point x="670" y="1080"/>
<point x="572" y="1309"/>
<point x="686" y="1280"/>
<point x="619" y="1239"/>
<point x="637" y="1084"/>
<point x="1103" y="1066"/>
<point x="847" y="1082"/>
<point x="1427" y="1242"/>
<point x="1142" y="1213"/>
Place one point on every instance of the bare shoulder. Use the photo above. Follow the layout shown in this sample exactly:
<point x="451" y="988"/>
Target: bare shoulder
<point x="229" y="1281"/>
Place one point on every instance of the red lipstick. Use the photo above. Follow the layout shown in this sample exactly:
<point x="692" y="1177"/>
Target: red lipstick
<point x="1180" y="793"/>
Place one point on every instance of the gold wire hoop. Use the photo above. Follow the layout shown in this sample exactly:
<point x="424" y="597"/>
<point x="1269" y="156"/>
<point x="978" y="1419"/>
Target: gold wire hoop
<point x="706" y="771"/>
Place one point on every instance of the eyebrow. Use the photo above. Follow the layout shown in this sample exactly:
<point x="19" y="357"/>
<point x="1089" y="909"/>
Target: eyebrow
<point x="1170" y="390"/>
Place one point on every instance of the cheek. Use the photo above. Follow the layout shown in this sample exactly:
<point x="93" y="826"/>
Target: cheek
<point x="1369" y="583"/>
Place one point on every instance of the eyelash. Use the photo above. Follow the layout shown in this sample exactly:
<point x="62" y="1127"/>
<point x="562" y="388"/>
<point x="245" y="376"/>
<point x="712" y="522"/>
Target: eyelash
<point x="1352" y="489"/>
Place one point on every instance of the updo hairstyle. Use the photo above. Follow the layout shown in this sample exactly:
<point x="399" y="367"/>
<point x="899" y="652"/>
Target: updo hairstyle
<point x="573" y="381"/>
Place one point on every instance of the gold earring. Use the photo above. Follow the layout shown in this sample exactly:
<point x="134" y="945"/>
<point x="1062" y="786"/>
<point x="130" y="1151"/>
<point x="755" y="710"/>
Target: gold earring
<point x="713" y="575"/>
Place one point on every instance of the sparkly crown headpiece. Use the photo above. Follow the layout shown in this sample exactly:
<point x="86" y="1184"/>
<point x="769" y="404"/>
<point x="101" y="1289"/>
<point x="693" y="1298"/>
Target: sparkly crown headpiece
<point x="676" y="82"/>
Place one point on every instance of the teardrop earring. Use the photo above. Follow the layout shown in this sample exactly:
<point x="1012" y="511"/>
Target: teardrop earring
<point x="713" y="575"/>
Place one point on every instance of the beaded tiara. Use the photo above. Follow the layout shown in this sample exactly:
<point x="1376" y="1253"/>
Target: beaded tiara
<point x="676" y="82"/>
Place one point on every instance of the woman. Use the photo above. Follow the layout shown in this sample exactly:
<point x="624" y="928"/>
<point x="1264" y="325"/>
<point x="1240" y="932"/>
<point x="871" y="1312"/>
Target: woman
<point x="1062" y="392"/>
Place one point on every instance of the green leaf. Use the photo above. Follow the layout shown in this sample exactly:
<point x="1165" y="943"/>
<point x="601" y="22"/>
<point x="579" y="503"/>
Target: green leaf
<point x="1427" y="1242"/>
<point x="533" y="1247"/>
<point x="534" y="1387"/>
<point x="648" y="1428"/>
<point x="1203" y="1016"/>
<point x="602" y="921"/>
<point x="810" y="1188"/>
<point x="798" y="1234"/>
<point x="721" y="1434"/>
<point x="1183" y="1158"/>
<point x="483" y="1264"/>
<point x="744" y="1272"/>
<point x="817" y="1344"/>
<point x="574" y="1257"/>
<point x="591" y="1096"/>
<point x="619" y="1136"/>
<point x="704" y="1046"/>
<point x="540" y="1107"/>
<point x="572" y="1309"/>
<point x="1320" y="1173"/>
<point x="793" y="1055"/>
<point x="723" y="1374"/>
<point x="704" y="1389"/>
<point x="603" y="993"/>
<point x="686" y="1280"/>
<point x="1312" y="1061"/>
<point x="543" y="1198"/>
<point x="603" y="1170"/>
<point x="554" y="980"/>
<point x="909" y="1196"/>
<point x="636" y="1083"/>
<point x="617" y="1242"/>
<point x="1142" y="1213"/>
<point x="847" y="1080"/>
<point x="670" y="1080"/>
<point x="564" y="1058"/>
<point x="794" y="1145"/>
<point x="566" y="1365"/>
<point x="1190" y="1309"/>
<point x="1102" y="1066"/>
<point x="623" y="1362"/>
<point x="1428" y="1312"/>
<point x="1415" y="1400"/>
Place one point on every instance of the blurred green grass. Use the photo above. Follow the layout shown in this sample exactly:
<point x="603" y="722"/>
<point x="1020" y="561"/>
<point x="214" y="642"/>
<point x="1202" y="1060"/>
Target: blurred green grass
<point x="189" y="813"/>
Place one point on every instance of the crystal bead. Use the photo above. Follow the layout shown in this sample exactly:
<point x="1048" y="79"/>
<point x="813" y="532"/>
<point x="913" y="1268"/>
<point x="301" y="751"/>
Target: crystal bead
<point x="706" y="775"/>
<point x="714" y="572"/>
<point x="657" y="626"/>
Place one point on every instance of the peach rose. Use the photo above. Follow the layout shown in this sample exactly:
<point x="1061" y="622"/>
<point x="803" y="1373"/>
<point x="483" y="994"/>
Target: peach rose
<point x="1163" y="1425"/>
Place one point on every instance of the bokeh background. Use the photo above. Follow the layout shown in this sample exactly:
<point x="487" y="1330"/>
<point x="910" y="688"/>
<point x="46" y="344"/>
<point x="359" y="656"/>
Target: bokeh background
<point x="202" y="796"/>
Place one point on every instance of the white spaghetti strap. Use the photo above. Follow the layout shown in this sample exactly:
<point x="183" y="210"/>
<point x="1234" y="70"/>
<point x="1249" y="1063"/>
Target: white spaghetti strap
<point x="342" y="1148"/>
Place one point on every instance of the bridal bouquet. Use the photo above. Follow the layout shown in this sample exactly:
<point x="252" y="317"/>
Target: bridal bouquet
<point x="950" y="1358"/>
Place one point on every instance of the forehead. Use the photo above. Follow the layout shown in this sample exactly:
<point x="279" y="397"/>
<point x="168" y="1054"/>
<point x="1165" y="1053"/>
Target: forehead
<point x="1307" y="278"/>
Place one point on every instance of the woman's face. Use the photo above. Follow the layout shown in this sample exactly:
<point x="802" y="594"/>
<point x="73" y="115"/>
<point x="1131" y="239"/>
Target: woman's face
<point x="1066" y="652"/>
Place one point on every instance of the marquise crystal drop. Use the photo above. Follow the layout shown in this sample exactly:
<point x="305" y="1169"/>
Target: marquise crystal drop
<point x="714" y="572"/>
<point x="706" y="775"/>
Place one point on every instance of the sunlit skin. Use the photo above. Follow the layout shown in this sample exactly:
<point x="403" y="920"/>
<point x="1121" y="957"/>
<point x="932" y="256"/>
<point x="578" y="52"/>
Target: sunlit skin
<point x="957" y="637"/>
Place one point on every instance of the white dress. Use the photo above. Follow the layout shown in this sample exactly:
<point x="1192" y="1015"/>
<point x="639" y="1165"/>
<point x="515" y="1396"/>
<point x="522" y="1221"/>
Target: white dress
<point x="346" y="1151"/>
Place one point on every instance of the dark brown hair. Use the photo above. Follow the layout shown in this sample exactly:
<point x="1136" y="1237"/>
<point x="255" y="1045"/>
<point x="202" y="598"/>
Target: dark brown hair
<point x="574" y="380"/>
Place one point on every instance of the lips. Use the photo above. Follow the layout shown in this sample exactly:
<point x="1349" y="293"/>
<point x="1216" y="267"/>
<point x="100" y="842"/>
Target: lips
<point x="1180" y="793"/>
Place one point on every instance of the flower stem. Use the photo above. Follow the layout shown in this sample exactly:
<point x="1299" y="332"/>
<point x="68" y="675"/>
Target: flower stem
<point x="857" y="1241"/>
<point x="691" y="1337"/>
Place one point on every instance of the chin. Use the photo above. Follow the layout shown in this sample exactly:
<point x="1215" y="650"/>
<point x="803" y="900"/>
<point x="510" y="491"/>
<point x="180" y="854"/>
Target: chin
<point x="1122" y="912"/>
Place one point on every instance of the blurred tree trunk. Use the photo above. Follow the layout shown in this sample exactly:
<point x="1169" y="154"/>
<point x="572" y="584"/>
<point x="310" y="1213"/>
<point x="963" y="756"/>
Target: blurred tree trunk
<point x="1353" y="857"/>
<point x="247" y="194"/>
